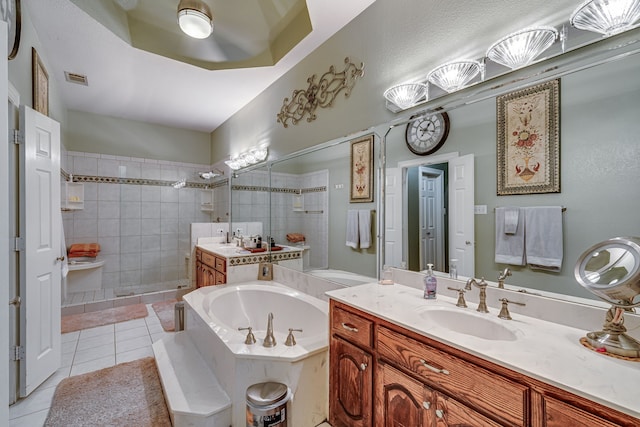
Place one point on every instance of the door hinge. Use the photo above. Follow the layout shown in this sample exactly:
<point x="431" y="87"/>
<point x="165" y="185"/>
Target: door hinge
<point x="17" y="353"/>
<point x="19" y="244"/>
<point x="18" y="137"/>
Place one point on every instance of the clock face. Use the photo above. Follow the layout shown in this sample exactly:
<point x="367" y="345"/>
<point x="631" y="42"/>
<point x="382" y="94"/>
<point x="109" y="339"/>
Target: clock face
<point x="10" y="11"/>
<point x="427" y="133"/>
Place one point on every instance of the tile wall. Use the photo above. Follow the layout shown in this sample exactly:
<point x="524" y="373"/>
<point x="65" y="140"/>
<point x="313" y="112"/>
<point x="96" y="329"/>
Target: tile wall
<point x="142" y="228"/>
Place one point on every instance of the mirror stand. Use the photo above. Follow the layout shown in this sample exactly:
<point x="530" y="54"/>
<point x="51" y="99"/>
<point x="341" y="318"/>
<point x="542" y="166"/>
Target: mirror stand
<point x="612" y="338"/>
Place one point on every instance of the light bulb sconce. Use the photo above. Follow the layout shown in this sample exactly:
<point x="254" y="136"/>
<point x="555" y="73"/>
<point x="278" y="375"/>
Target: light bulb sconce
<point x="210" y="174"/>
<point x="248" y="158"/>
<point x="516" y="50"/>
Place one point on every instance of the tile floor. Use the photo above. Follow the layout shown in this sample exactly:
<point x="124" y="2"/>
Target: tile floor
<point x="90" y="350"/>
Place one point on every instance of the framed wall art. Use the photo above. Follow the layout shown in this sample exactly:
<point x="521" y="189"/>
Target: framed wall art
<point x="40" y="84"/>
<point x="362" y="170"/>
<point x="528" y="152"/>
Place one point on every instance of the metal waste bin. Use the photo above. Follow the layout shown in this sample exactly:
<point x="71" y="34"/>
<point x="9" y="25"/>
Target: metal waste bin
<point x="267" y="405"/>
<point x="179" y="316"/>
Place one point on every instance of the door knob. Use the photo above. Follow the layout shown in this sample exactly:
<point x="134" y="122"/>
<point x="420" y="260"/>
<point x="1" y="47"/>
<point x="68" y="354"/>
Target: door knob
<point x="467" y="243"/>
<point x="60" y="258"/>
<point x="15" y="301"/>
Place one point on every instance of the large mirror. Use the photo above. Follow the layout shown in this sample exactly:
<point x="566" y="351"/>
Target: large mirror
<point x="599" y="178"/>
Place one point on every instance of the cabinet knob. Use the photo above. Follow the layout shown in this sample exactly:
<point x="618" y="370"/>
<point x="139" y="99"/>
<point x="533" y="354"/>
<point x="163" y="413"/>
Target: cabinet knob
<point x="363" y="366"/>
<point x="439" y="413"/>
<point x="426" y="405"/>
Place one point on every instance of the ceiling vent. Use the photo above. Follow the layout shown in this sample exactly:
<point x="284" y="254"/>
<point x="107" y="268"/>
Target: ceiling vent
<point x="76" y="78"/>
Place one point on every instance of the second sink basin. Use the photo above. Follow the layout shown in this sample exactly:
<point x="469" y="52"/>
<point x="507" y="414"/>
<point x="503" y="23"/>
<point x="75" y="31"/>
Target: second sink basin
<point x="468" y="323"/>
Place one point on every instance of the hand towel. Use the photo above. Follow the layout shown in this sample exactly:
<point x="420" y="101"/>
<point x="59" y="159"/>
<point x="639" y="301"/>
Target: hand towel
<point x="295" y="237"/>
<point x="364" y="228"/>
<point x="511" y="216"/>
<point x="352" y="228"/>
<point x="543" y="237"/>
<point x="509" y="247"/>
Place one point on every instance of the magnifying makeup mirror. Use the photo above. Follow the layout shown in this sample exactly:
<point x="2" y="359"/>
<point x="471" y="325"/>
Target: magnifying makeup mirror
<point x="611" y="270"/>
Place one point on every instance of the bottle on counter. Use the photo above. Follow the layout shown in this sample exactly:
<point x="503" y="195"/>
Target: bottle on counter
<point x="386" y="276"/>
<point x="430" y="283"/>
<point x="453" y="268"/>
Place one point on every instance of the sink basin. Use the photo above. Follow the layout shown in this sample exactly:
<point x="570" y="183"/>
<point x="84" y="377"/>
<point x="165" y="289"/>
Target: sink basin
<point x="468" y="323"/>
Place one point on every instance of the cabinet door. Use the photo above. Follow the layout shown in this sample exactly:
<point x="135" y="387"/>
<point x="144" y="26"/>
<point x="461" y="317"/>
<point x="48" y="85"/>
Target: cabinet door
<point x="199" y="274"/>
<point x="401" y="401"/>
<point x="351" y="385"/>
<point x="449" y="412"/>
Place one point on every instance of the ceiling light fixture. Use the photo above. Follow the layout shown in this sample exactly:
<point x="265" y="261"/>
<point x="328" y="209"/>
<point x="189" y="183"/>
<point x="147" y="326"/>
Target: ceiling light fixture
<point x="406" y="95"/>
<point x="195" y="19"/>
<point x="251" y="157"/>
<point x="519" y="49"/>
<point x="607" y="17"/>
<point x="454" y="76"/>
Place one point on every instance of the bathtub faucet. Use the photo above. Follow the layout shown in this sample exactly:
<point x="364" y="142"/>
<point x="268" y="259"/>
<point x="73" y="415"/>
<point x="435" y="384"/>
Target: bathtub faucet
<point x="269" y="340"/>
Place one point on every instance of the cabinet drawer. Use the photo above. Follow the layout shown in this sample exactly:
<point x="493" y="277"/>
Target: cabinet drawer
<point x="198" y="255"/>
<point x="466" y="382"/>
<point x="351" y="326"/>
<point x="208" y="259"/>
<point x="221" y="278"/>
<point x="221" y="265"/>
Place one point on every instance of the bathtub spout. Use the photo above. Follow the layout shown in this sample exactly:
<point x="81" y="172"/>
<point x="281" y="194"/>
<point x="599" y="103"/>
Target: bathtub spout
<point x="269" y="340"/>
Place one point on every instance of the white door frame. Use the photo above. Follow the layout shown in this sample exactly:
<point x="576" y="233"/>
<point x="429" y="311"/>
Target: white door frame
<point x="5" y="237"/>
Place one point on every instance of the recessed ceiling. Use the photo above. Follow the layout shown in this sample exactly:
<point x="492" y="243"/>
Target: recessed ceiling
<point x="140" y="66"/>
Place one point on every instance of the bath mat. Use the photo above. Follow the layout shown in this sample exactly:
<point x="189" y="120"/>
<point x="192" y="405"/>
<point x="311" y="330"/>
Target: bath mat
<point x="128" y="394"/>
<point x="76" y="322"/>
<point x="166" y="314"/>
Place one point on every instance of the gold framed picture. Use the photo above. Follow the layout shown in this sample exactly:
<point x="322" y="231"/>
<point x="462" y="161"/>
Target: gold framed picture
<point x="265" y="271"/>
<point x="40" y="84"/>
<point x="528" y="152"/>
<point x="362" y="170"/>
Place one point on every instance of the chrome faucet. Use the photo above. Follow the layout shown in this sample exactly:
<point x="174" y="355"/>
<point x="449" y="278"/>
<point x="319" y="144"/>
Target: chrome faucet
<point x="269" y="339"/>
<point x="503" y="275"/>
<point x="482" y="304"/>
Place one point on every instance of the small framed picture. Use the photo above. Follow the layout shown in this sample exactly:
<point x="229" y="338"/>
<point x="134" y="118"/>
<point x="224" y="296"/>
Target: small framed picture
<point x="265" y="271"/>
<point x="40" y="84"/>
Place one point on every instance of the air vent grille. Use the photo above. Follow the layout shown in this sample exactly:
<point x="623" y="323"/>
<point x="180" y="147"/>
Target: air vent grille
<point x="76" y="78"/>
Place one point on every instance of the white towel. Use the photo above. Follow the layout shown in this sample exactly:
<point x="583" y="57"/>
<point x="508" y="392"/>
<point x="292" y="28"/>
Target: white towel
<point x="543" y="237"/>
<point x="364" y="227"/>
<point x="509" y="247"/>
<point x="352" y="228"/>
<point x="511" y="216"/>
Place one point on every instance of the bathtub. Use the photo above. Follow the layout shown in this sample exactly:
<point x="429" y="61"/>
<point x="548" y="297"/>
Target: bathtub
<point x="213" y="316"/>
<point x="342" y="277"/>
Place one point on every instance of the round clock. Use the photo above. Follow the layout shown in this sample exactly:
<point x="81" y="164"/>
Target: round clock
<point x="10" y="10"/>
<point x="427" y="133"/>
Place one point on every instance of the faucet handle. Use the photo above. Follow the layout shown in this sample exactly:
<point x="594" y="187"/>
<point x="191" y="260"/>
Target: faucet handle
<point x="251" y="339"/>
<point x="504" y="311"/>
<point x="291" y="340"/>
<point x="461" y="302"/>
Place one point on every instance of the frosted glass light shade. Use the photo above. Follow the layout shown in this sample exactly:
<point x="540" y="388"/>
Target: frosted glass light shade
<point x="406" y="95"/>
<point x="454" y="76"/>
<point x="607" y="17"/>
<point x="519" y="49"/>
<point x="194" y="18"/>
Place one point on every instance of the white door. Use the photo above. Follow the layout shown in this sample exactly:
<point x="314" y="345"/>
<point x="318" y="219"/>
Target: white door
<point x="461" y="221"/>
<point x="39" y="261"/>
<point x="431" y="214"/>
<point x="393" y="218"/>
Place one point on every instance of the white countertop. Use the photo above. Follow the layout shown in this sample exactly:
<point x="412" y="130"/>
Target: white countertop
<point x="543" y="350"/>
<point x="230" y="250"/>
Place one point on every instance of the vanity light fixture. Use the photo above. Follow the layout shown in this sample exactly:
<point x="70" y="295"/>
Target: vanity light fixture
<point x="195" y="19"/>
<point x="455" y="75"/>
<point x="607" y="17"/>
<point x="252" y="157"/>
<point x="520" y="48"/>
<point x="210" y="174"/>
<point x="407" y="95"/>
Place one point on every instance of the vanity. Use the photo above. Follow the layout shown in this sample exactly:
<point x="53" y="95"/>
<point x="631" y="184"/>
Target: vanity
<point x="398" y="359"/>
<point x="216" y="263"/>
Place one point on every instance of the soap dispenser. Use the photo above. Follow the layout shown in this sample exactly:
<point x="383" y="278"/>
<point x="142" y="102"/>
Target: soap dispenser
<point x="430" y="283"/>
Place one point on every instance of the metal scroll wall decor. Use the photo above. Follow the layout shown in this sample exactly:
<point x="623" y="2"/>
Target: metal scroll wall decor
<point x="322" y="93"/>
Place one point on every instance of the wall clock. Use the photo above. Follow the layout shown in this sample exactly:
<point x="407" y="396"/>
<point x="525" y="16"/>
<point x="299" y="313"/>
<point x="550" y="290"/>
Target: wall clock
<point x="427" y="133"/>
<point x="10" y="10"/>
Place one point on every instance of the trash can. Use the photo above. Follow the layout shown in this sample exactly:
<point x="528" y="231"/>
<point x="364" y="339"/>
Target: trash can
<point x="267" y="405"/>
<point x="179" y="316"/>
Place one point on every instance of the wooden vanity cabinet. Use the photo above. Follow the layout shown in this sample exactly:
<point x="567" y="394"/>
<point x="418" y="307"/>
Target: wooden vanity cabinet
<point x="210" y="269"/>
<point x="386" y="376"/>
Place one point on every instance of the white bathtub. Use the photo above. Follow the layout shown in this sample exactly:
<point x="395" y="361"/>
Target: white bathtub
<point x="342" y="277"/>
<point x="213" y="316"/>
